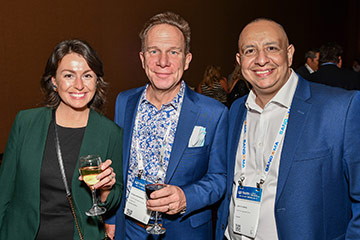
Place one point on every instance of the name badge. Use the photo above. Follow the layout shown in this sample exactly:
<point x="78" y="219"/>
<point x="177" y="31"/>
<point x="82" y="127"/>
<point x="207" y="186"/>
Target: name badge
<point x="135" y="206"/>
<point x="247" y="209"/>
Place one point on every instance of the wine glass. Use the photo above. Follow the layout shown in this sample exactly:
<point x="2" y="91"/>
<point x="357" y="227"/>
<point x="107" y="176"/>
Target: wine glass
<point x="89" y="167"/>
<point x="152" y="184"/>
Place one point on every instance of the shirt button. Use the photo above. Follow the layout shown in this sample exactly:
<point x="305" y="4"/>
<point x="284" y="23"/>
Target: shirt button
<point x="260" y="144"/>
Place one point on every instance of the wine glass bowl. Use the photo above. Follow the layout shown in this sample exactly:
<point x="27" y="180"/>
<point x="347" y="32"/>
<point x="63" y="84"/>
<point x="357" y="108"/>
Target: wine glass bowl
<point x="152" y="185"/>
<point x="89" y="168"/>
<point x="89" y="175"/>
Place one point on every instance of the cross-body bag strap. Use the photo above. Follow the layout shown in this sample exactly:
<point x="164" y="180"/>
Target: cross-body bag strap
<point x="62" y="170"/>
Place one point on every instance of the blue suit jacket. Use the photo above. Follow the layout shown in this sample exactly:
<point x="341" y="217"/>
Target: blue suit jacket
<point x="318" y="191"/>
<point x="200" y="171"/>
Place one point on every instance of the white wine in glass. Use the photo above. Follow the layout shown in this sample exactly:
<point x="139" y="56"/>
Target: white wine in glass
<point x="89" y="175"/>
<point x="89" y="167"/>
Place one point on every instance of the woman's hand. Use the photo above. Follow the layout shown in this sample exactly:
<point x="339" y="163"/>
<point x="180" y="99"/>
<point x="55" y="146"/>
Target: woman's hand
<point x="107" y="179"/>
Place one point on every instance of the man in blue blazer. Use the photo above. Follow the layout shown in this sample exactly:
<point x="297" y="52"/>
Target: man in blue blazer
<point x="331" y="71"/>
<point x="311" y="63"/>
<point x="293" y="150"/>
<point x="173" y="134"/>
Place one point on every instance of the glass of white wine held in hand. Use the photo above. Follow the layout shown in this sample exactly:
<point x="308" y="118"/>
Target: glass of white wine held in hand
<point x="152" y="185"/>
<point x="89" y="167"/>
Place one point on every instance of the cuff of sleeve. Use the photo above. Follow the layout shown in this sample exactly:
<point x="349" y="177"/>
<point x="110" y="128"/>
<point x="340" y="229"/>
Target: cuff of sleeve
<point x="183" y="211"/>
<point x="190" y="207"/>
<point x="110" y="220"/>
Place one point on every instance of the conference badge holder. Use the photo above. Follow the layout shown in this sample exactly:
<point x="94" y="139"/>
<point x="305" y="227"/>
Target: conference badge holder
<point x="135" y="206"/>
<point x="247" y="210"/>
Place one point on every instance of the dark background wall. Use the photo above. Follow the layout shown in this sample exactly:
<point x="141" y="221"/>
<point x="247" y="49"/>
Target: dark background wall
<point x="29" y="30"/>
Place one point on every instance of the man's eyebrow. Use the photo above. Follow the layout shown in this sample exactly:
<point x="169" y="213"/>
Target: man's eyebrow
<point x="150" y="48"/>
<point x="170" y="49"/>
<point x="176" y="48"/>
<point x="248" y="46"/>
<point x="271" y="43"/>
<point x="265" y="44"/>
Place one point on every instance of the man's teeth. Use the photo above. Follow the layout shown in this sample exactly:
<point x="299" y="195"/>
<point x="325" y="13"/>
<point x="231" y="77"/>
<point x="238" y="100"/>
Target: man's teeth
<point x="263" y="72"/>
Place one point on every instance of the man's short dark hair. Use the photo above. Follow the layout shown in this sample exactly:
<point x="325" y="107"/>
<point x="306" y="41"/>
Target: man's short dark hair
<point x="311" y="53"/>
<point x="330" y="52"/>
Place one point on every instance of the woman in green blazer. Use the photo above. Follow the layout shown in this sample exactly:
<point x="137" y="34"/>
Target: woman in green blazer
<point x="33" y="203"/>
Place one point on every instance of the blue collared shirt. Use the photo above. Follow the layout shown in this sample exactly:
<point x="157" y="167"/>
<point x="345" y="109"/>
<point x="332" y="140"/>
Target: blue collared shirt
<point x="328" y="63"/>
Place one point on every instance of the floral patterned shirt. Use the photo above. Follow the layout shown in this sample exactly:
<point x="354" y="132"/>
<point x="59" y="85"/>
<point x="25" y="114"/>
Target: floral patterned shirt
<point x="149" y="134"/>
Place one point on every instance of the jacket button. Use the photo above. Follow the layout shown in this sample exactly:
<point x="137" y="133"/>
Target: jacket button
<point x="223" y="227"/>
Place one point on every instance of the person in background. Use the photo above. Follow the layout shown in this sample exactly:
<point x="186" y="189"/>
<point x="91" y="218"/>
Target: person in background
<point x="33" y="200"/>
<point x="172" y="134"/>
<point x="293" y="149"/>
<point x="311" y="63"/>
<point x="356" y="65"/>
<point x="331" y="72"/>
<point x="239" y="86"/>
<point x="213" y="85"/>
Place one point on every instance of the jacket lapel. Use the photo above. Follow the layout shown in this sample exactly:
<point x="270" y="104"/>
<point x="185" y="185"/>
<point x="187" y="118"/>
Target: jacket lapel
<point x="187" y="119"/>
<point x="36" y="145"/>
<point x="299" y="112"/>
<point x="129" y="121"/>
<point x="235" y="128"/>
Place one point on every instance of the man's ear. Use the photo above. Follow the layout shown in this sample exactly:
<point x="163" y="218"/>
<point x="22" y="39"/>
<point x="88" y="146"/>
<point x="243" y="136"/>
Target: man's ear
<point x="238" y="58"/>
<point x="142" y="58"/>
<point x="188" y="59"/>
<point x="290" y="54"/>
<point x="339" y="64"/>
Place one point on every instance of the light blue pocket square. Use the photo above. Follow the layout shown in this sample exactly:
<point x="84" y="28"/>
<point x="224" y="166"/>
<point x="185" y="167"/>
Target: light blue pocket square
<point x="197" y="138"/>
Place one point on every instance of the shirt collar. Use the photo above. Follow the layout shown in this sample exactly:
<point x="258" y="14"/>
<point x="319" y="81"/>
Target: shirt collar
<point x="283" y="97"/>
<point x="328" y="63"/>
<point x="175" y="102"/>
<point x="309" y="68"/>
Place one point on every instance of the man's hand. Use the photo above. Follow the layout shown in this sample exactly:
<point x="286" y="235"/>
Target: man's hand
<point x="110" y="230"/>
<point x="170" y="200"/>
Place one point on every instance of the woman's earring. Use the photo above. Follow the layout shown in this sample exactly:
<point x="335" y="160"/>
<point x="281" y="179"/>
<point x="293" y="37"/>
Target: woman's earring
<point x="55" y="88"/>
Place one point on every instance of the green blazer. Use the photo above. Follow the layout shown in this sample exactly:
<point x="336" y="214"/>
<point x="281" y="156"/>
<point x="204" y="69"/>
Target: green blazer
<point x="20" y="174"/>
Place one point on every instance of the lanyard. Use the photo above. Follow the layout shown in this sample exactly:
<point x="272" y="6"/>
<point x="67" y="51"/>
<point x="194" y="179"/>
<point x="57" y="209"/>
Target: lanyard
<point x="280" y="135"/>
<point x="139" y="151"/>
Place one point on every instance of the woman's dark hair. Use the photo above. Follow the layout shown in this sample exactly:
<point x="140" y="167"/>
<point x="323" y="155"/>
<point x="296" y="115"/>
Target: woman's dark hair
<point x="52" y="98"/>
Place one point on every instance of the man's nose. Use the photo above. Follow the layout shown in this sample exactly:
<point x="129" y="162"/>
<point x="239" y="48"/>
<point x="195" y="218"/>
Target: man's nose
<point x="163" y="60"/>
<point x="262" y="58"/>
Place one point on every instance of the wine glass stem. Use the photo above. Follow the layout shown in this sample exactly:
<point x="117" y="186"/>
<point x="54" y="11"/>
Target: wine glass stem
<point x="156" y="217"/>
<point x="93" y="193"/>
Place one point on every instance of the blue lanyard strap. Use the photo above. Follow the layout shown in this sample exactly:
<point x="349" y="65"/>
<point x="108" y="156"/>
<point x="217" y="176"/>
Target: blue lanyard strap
<point x="278" y="139"/>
